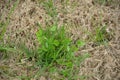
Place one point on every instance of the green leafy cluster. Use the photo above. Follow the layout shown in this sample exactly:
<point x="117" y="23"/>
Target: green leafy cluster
<point x="57" y="50"/>
<point x="54" y="45"/>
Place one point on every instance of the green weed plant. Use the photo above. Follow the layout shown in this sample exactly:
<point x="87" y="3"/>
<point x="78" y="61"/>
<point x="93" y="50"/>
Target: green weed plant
<point x="57" y="49"/>
<point x="55" y="45"/>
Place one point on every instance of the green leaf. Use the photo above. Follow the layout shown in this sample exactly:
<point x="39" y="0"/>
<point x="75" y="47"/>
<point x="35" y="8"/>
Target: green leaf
<point x="56" y="42"/>
<point x="68" y="48"/>
<point x="53" y="28"/>
<point x="39" y="35"/>
<point x="40" y="32"/>
<point x="74" y="48"/>
<point x="80" y="43"/>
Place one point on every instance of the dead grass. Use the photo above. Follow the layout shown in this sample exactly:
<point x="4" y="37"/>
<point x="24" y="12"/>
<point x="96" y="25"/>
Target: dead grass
<point x="81" y="20"/>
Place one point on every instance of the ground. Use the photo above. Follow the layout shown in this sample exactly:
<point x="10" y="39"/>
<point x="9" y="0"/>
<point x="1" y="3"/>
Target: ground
<point x="81" y="18"/>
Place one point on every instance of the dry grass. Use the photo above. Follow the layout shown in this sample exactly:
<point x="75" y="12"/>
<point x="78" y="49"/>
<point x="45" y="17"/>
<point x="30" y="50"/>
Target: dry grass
<point x="81" y="21"/>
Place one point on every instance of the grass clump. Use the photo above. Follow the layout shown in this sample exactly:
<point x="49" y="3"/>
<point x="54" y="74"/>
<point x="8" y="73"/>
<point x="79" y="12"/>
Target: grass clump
<point x="55" y="45"/>
<point x="101" y="36"/>
<point x="57" y="50"/>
